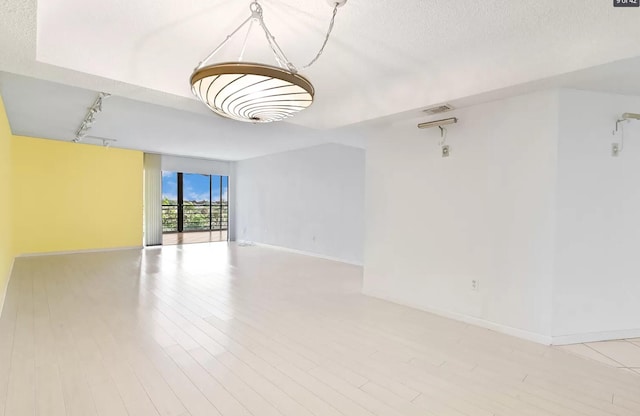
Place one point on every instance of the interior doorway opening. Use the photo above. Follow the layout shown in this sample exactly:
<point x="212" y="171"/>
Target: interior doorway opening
<point x="195" y="208"/>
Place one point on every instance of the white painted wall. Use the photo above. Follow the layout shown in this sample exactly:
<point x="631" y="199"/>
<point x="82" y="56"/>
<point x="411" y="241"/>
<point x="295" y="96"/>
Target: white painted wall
<point x="597" y="270"/>
<point x="487" y="212"/>
<point x="311" y="200"/>
<point x="195" y="165"/>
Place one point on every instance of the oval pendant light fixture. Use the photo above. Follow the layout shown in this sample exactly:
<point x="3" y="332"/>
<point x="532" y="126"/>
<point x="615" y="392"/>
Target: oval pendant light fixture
<point x="251" y="92"/>
<point x="254" y="92"/>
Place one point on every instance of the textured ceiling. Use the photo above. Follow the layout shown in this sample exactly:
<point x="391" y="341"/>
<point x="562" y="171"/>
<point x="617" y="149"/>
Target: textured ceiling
<point x="385" y="58"/>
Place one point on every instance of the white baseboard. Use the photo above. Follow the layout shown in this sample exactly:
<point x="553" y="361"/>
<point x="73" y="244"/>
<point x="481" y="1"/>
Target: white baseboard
<point x="519" y="333"/>
<point x="595" y="336"/>
<point x="6" y="287"/>
<point x="92" y="250"/>
<point x="504" y="329"/>
<point x="304" y="253"/>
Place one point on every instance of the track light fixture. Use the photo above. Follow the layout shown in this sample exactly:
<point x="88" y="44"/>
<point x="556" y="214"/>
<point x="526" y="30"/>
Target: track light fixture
<point x="90" y="117"/>
<point x="255" y="92"/>
<point x="107" y="142"/>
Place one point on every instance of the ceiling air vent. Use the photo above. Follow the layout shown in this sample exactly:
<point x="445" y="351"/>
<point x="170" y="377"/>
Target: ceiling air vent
<point x="438" y="109"/>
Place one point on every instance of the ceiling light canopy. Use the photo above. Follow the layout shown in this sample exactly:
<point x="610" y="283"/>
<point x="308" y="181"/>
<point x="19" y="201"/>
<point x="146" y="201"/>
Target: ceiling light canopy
<point x="255" y="92"/>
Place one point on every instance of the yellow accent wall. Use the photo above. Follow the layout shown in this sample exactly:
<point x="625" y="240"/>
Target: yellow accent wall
<point x="69" y="196"/>
<point x="6" y="249"/>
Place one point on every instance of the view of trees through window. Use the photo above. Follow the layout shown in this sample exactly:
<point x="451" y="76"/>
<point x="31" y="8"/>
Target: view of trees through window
<point x="194" y="202"/>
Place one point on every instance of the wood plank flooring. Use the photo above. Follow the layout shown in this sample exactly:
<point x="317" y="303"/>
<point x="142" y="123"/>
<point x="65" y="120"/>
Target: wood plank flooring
<point x="623" y="354"/>
<point x="217" y="329"/>
<point x="194" y="237"/>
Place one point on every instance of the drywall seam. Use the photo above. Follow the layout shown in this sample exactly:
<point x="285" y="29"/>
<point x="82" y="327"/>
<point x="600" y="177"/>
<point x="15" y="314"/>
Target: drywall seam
<point x="504" y="329"/>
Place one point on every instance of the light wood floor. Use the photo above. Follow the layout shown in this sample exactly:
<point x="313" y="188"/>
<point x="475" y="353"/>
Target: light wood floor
<point x="623" y="354"/>
<point x="212" y="329"/>
<point x="194" y="237"/>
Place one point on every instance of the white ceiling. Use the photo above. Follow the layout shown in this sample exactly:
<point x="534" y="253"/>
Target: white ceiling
<point x="38" y="108"/>
<point x="385" y="59"/>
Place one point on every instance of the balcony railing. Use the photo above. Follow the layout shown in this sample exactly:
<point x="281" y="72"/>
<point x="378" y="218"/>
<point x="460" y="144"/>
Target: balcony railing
<point x="196" y="217"/>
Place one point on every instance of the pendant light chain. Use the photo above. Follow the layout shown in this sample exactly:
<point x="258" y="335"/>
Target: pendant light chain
<point x="244" y="44"/>
<point x="281" y="58"/>
<point x="326" y="38"/>
<point x="254" y="92"/>
<point x="277" y="51"/>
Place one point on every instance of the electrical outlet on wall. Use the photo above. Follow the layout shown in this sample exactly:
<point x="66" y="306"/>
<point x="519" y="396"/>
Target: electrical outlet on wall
<point x="475" y="285"/>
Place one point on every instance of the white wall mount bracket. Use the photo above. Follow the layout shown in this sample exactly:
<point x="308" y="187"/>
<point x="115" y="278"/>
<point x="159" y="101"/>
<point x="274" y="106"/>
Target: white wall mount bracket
<point x="616" y="147"/>
<point x="444" y="148"/>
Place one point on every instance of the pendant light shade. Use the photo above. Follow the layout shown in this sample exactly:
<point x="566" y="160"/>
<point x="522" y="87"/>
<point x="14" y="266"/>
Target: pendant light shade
<point x="251" y="92"/>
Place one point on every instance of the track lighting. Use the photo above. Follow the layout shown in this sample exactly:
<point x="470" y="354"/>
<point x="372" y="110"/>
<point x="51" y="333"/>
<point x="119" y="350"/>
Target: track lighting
<point x="90" y="117"/>
<point x="105" y="142"/>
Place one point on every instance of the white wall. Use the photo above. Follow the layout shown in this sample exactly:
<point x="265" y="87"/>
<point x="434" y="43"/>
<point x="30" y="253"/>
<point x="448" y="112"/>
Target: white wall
<point x="487" y="212"/>
<point x="597" y="272"/>
<point x="194" y="165"/>
<point x="311" y="200"/>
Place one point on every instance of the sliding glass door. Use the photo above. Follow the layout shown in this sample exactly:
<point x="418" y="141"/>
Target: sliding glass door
<point x="194" y="202"/>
